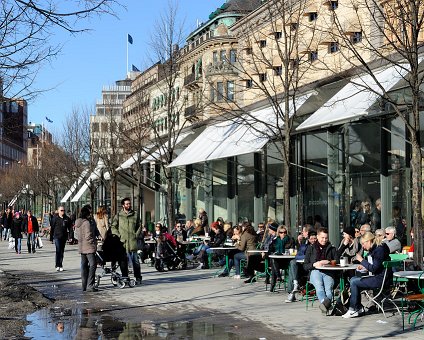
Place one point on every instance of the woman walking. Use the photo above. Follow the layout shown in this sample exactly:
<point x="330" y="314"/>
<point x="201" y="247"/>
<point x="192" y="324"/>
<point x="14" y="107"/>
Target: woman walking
<point x="17" y="231"/>
<point x="87" y="246"/>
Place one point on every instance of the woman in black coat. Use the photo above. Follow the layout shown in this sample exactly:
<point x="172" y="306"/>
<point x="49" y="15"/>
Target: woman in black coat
<point x="17" y="231"/>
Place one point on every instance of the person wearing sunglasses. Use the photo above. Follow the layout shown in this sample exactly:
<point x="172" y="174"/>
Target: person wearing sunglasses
<point x="392" y="242"/>
<point x="60" y="227"/>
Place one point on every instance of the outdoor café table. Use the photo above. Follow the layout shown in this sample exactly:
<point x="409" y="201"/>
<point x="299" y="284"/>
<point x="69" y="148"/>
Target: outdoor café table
<point x="150" y="242"/>
<point x="226" y="250"/>
<point x="338" y="267"/>
<point x="414" y="275"/>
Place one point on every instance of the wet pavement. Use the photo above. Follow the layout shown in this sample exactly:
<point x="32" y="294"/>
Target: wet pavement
<point x="173" y="304"/>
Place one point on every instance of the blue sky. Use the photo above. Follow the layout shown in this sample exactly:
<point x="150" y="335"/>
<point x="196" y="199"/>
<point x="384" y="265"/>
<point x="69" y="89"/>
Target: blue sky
<point x="91" y="60"/>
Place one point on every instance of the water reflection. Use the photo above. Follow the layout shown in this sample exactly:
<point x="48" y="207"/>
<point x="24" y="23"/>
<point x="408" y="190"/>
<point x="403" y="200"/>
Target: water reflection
<point x="74" y="323"/>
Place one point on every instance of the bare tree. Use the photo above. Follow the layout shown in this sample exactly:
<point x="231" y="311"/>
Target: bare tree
<point x="25" y="42"/>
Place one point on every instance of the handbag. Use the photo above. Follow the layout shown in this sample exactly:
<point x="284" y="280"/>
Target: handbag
<point x="11" y="243"/>
<point x="39" y="242"/>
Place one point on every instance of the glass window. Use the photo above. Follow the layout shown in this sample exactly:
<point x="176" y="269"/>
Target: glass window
<point x="95" y="127"/>
<point x="215" y="57"/>
<point x="212" y="94"/>
<point x="313" y="55"/>
<point x="233" y="56"/>
<point x="219" y="91"/>
<point x="230" y="90"/>
<point x="356" y="37"/>
<point x="223" y="55"/>
<point x="249" y="83"/>
<point x="333" y="47"/>
<point x="313" y="16"/>
<point x="262" y="43"/>
<point x="262" y="77"/>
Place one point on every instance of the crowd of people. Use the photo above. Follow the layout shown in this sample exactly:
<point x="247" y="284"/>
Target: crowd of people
<point x="364" y="243"/>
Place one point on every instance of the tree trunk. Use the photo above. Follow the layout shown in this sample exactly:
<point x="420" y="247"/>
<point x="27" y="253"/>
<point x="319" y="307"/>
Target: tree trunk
<point x="416" y="167"/>
<point x="113" y="196"/>
<point x="170" y="200"/>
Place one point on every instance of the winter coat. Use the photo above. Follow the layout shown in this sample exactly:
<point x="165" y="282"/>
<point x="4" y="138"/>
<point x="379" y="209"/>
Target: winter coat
<point x="379" y="254"/>
<point x="278" y="245"/>
<point x="311" y="256"/>
<point x="102" y="226"/>
<point x="86" y="235"/>
<point x="35" y="227"/>
<point x="16" y="229"/>
<point x="128" y="228"/>
<point x="60" y="227"/>
<point x="247" y="242"/>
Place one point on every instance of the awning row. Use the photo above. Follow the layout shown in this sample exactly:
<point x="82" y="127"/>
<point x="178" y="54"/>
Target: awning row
<point x="249" y="133"/>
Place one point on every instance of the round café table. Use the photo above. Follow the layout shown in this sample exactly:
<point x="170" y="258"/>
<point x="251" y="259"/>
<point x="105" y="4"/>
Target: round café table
<point x="340" y="268"/>
<point x="266" y="262"/>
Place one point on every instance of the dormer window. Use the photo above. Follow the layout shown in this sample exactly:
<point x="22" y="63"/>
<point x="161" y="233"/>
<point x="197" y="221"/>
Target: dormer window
<point x="278" y="35"/>
<point x="313" y="55"/>
<point x="262" y="43"/>
<point x="356" y="37"/>
<point x="333" y="5"/>
<point x="333" y="47"/>
<point x="313" y="16"/>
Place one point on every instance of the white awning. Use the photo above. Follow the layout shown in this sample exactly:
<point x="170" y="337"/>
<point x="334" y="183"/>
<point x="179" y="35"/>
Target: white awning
<point x="93" y="176"/>
<point x="354" y="100"/>
<point x="74" y="187"/>
<point x="239" y="136"/>
<point x="14" y="199"/>
<point x="152" y="155"/>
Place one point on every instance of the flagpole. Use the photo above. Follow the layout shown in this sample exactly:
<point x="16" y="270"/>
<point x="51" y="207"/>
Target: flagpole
<point x="127" y="55"/>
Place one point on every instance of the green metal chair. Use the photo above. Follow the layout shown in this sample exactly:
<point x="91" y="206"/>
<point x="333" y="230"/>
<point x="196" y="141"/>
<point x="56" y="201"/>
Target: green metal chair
<point x="399" y="282"/>
<point x="418" y="299"/>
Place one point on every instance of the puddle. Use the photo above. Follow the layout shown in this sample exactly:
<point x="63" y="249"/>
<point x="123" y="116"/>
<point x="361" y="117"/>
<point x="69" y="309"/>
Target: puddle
<point x="75" y="323"/>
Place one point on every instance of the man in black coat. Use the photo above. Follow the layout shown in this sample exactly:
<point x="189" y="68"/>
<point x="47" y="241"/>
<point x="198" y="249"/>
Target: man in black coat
<point x="60" y="227"/>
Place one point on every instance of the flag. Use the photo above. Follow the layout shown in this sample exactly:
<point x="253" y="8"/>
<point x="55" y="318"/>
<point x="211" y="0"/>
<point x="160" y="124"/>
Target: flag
<point x="49" y="120"/>
<point x="130" y="39"/>
<point x="135" y="69"/>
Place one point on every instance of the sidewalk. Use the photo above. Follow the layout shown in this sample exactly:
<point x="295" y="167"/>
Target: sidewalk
<point x="194" y="290"/>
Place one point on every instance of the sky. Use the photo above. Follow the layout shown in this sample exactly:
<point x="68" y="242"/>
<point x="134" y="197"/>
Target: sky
<point x="91" y="60"/>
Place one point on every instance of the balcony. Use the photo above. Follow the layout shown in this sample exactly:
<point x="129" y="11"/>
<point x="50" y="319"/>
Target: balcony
<point x="191" y="81"/>
<point x="190" y="113"/>
<point x="220" y="68"/>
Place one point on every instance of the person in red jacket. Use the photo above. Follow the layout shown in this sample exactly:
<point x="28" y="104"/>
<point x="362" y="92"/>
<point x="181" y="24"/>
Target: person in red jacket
<point x="31" y="228"/>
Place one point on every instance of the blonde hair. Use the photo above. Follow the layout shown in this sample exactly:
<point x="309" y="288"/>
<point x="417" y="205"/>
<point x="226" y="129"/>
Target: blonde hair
<point x="197" y="222"/>
<point x="368" y="236"/>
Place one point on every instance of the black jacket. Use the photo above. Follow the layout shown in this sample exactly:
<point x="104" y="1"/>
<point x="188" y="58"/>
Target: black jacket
<point x="60" y="227"/>
<point x="379" y="254"/>
<point x="16" y="229"/>
<point x="35" y="227"/>
<point x="311" y="256"/>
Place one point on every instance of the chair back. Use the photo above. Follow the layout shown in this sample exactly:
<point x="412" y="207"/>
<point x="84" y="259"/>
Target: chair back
<point x="392" y="263"/>
<point x="398" y="257"/>
<point x="420" y="281"/>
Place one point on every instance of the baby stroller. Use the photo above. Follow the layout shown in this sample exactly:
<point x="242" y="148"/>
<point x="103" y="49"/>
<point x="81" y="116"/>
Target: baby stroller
<point x="167" y="256"/>
<point x="114" y="252"/>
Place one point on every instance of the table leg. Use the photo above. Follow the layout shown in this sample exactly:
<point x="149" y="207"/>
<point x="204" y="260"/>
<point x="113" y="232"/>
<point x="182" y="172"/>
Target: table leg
<point x="227" y="265"/>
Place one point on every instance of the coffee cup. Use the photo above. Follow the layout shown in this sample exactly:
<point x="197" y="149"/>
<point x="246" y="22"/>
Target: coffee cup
<point x="411" y="254"/>
<point x="343" y="262"/>
<point x="333" y="263"/>
<point x="291" y="251"/>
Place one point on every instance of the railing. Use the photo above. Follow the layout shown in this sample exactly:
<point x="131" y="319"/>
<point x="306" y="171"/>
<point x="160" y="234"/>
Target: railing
<point x="190" y="111"/>
<point x="189" y="79"/>
<point x="220" y="67"/>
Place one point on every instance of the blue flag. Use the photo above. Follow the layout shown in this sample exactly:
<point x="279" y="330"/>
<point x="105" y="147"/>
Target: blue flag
<point x="135" y="69"/>
<point x="49" y="120"/>
<point x="130" y="39"/>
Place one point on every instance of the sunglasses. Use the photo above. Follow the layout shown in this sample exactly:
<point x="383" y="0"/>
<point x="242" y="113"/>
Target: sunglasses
<point x="387" y="233"/>
<point x="283" y="232"/>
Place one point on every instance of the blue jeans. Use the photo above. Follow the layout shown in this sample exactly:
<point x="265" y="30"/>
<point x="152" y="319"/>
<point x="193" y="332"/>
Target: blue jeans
<point x="237" y="258"/>
<point x="31" y="242"/>
<point x="18" y="243"/>
<point x="60" y="250"/>
<point x="323" y="284"/>
<point x="133" y="256"/>
<point x="358" y="284"/>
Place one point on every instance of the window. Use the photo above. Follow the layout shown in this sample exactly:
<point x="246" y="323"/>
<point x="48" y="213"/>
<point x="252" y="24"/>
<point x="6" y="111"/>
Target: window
<point x="278" y="70"/>
<point x="215" y="57"/>
<point x="313" y="55"/>
<point x="230" y="90"/>
<point x="294" y="26"/>
<point x="249" y="83"/>
<point x="219" y="91"/>
<point x="278" y="35"/>
<point x="333" y="47"/>
<point x="356" y="37"/>
<point x="333" y="5"/>
<point x="313" y="16"/>
<point x="212" y="94"/>
<point x="294" y="63"/>
<point x="104" y="127"/>
<point x="233" y="56"/>
<point x="262" y="43"/>
<point x="262" y="77"/>
<point x="249" y="50"/>
<point x="223" y="55"/>
<point x="95" y="127"/>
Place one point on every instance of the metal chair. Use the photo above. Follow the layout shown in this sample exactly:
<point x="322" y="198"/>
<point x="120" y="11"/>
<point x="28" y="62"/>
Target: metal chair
<point x="418" y="299"/>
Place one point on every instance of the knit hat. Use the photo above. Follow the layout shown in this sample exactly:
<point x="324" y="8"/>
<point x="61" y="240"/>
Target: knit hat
<point x="350" y="231"/>
<point x="273" y="226"/>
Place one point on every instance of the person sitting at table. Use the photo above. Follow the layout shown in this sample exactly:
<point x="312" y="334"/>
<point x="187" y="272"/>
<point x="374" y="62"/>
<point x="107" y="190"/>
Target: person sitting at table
<point x="179" y="233"/>
<point x="392" y="242"/>
<point x="373" y="265"/>
<point x="243" y="242"/>
<point x="278" y="247"/>
<point x="254" y="260"/>
<point x="316" y="258"/>
<point x="198" y="228"/>
<point x="218" y="241"/>
<point x="349" y="245"/>
<point x="379" y="236"/>
<point x="260" y="232"/>
<point x="189" y="227"/>
<point x="296" y="269"/>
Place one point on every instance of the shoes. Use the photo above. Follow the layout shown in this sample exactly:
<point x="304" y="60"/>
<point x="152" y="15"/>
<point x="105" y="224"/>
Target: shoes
<point x="200" y="266"/>
<point x="251" y="279"/>
<point x="236" y="277"/>
<point x="189" y="257"/>
<point x="223" y="274"/>
<point x="353" y="313"/>
<point x="272" y="288"/>
<point x="61" y="269"/>
<point x="325" y="305"/>
<point x="57" y="269"/>
<point x="295" y="287"/>
<point x="290" y="298"/>
<point x="138" y="281"/>
<point x="94" y="289"/>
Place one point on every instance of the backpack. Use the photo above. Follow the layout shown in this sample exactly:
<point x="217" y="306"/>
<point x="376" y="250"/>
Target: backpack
<point x="342" y="304"/>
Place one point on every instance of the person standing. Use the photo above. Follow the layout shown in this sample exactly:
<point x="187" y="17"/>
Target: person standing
<point x="30" y="227"/>
<point x="87" y="245"/>
<point x="17" y="232"/>
<point x="60" y="227"/>
<point x="203" y="217"/>
<point x="7" y="222"/>
<point x="126" y="225"/>
<point x="101" y="222"/>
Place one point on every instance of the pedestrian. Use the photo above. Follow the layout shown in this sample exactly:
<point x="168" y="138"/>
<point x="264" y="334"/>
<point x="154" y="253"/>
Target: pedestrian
<point x="31" y="228"/>
<point x="7" y="222"/>
<point x="87" y="245"/>
<point x="203" y="217"/>
<point x="60" y="227"/>
<point x="17" y="231"/>
<point x="102" y="222"/>
<point x="126" y="225"/>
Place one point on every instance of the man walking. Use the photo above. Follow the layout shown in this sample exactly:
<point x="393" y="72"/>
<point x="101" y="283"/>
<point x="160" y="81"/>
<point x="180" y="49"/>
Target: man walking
<point x="60" y="227"/>
<point x="126" y="225"/>
<point x="30" y="227"/>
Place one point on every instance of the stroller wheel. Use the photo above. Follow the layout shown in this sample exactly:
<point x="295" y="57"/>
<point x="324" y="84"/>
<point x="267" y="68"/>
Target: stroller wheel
<point x="114" y="280"/>
<point x="131" y="283"/>
<point x="121" y="284"/>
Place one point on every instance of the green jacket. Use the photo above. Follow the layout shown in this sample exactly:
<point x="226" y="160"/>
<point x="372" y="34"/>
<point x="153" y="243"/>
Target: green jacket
<point x="128" y="228"/>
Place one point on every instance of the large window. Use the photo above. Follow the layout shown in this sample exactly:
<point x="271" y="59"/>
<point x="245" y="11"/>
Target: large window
<point x="230" y="90"/>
